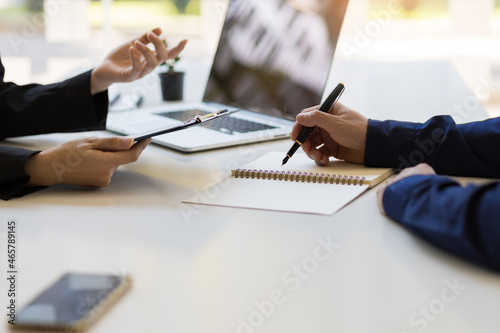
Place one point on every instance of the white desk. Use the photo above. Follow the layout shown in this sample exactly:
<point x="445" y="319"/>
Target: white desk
<point x="203" y="273"/>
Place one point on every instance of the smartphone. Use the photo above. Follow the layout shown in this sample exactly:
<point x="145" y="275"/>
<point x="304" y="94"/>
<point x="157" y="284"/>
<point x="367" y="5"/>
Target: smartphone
<point x="73" y="302"/>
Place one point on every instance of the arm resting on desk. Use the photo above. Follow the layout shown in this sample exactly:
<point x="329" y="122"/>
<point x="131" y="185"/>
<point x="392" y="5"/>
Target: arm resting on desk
<point x="35" y="109"/>
<point x="462" y="220"/>
<point x="464" y="150"/>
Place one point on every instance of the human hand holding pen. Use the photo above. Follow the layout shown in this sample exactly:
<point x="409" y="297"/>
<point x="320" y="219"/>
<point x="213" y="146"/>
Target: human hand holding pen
<point x="327" y="104"/>
<point x="340" y="133"/>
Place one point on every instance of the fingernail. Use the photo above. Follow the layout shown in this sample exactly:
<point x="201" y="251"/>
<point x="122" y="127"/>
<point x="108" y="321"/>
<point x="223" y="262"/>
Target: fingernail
<point x="323" y="160"/>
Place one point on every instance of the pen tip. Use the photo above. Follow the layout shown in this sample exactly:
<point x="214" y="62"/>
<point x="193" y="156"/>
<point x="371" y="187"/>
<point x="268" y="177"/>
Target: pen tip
<point x="284" y="161"/>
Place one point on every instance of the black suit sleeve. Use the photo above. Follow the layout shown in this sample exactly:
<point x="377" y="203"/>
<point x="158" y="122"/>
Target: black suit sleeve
<point x="67" y="106"/>
<point x="12" y="175"/>
<point x="33" y="109"/>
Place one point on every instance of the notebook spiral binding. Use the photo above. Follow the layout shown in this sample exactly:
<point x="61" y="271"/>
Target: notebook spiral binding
<point x="296" y="176"/>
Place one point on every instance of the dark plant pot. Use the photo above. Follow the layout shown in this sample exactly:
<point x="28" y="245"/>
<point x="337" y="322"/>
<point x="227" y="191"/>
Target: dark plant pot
<point x="172" y="85"/>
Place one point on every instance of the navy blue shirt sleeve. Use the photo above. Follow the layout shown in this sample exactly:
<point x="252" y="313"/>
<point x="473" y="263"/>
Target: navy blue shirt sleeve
<point x="463" y="220"/>
<point x="463" y="150"/>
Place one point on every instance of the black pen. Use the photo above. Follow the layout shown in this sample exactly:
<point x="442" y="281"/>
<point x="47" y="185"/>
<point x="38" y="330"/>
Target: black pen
<point x="325" y="107"/>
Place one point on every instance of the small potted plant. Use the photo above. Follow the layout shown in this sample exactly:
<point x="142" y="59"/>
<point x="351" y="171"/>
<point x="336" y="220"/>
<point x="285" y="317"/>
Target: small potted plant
<point x="172" y="82"/>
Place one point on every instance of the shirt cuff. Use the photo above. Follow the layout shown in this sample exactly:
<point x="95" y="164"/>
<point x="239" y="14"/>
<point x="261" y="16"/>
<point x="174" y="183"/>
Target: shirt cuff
<point x="397" y="195"/>
<point x="14" y="179"/>
<point x="386" y="141"/>
<point x="98" y="102"/>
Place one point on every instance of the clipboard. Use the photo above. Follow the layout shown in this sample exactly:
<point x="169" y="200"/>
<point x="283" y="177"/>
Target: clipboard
<point x="188" y="123"/>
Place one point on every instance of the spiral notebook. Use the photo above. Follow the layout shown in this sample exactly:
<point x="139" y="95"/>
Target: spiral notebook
<point x="301" y="186"/>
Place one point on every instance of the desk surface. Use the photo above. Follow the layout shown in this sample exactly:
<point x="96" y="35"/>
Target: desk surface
<point x="214" y="269"/>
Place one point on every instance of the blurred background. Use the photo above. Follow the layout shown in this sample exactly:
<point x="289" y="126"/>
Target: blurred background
<point x="48" y="40"/>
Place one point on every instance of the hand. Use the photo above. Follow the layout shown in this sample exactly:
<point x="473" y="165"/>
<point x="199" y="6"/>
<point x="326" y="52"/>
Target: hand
<point x="341" y="133"/>
<point x="420" y="169"/>
<point x="132" y="61"/>
<point x="86" y="162"/>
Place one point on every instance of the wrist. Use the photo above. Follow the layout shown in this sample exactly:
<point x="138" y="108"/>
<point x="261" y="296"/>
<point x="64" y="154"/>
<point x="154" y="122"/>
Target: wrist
<point x="38" y="167"/>
<point x="97" y="83"/>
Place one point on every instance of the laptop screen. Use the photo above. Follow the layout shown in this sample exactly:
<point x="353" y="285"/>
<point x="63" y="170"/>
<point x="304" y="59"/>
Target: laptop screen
<point x="274" y="56"/>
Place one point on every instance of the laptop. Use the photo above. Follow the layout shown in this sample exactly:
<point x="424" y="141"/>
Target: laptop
<point x="272" y="62"/>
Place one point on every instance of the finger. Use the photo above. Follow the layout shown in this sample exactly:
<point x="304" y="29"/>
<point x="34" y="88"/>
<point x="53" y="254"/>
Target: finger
<point x="391" y="181"/>
<point x="296" y="129"/>
<point x="144" y="38"/>
<point x="325" y="156"/>
<point x="160" y="48"/>
<point x="157" y="31"/>
<point x="136" y="63"/>
<point x="316" y="138"/>
<point x="319" y="155"/>
<point x="337" y="108"/>
<point x="320" y="149"/>
<point x="309" y="147"/>
<point x="426" y="169"/>
<point x="404" y="173"/>
<point x="174" y="52"/>
<point x="415" y="170"/>
<point x="327" y="139"/>
<point x="317" y="118"/>
<point x="380" y="198"/>
<point x="131" y="155"/>
<point x="111" y="144"/>
<point x="420" y="169"/>
<point x="312" y="108"/>
<point x="149" y="56"/>
<point x="329" y="144"/>
<point x="311" y="137"/>
<point x="331" y="147"/>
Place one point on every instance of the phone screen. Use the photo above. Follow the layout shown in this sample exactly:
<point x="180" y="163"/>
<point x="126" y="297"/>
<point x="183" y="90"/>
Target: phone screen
<point x="73" y="302"/>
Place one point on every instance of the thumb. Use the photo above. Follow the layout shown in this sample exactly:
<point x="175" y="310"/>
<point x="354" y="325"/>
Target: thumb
<point x="317" y="118"/>
<point x="112" y="144"/>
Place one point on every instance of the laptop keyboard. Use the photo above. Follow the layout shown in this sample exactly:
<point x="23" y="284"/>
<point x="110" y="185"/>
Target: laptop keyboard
<point x="226" y="125"/>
